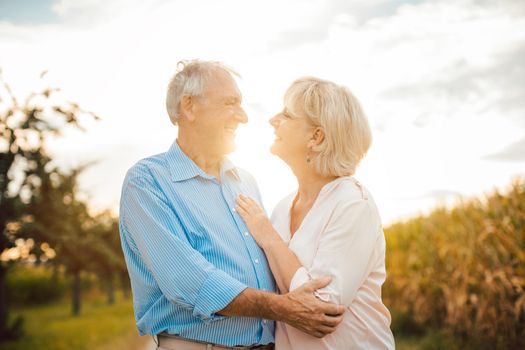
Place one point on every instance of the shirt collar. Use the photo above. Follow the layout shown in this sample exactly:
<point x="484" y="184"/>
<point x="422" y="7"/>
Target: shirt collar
<point x="183" y="168"/>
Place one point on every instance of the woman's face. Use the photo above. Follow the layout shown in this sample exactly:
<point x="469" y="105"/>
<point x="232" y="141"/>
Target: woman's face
<point x="292" y="134"/>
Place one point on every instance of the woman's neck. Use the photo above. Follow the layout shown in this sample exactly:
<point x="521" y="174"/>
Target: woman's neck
<point x="310" y="183"/>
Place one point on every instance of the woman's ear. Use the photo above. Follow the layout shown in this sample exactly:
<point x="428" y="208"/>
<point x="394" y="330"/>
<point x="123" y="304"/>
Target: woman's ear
<point x="187" y="104"/>
<point x="317" y="137"/>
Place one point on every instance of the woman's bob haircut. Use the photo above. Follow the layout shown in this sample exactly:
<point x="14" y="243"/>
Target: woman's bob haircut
<point x="338" y="112"/>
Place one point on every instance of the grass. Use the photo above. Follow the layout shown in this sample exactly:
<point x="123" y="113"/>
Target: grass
<point x="408" y="343"/>
<point x="99" y="327"/>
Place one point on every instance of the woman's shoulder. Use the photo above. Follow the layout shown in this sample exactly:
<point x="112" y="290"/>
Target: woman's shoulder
<point x="350" y="196"/>
<point x="347" y="189"/>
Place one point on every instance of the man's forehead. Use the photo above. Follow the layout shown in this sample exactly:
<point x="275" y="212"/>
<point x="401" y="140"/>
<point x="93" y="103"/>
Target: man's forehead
<point x="224" y="86"/>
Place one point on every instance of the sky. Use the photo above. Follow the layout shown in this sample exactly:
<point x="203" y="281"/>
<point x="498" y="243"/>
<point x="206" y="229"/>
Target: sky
<point x="442" y="83"/>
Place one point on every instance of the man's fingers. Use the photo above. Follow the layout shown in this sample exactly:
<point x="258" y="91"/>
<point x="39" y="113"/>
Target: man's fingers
<point x="332" y="321"/>
<point x="321" y="331"/>
<point x="327" y="329"/>
<point x="333" y="310"/>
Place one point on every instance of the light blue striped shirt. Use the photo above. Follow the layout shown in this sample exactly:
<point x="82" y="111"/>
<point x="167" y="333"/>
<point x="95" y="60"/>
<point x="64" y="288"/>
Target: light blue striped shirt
<point x="188" y="253"/>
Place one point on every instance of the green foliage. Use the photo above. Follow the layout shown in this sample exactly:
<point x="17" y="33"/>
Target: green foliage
<point x="403" y="323"/>
<point x="463" y="270"/>
<point x="435" y="340"/>
<point x="29" y="286"/>
<point x="25" y="128"/>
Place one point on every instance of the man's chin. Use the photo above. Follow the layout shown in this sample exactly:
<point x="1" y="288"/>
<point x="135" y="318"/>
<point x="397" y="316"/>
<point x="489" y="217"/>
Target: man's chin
<point x="229" y="149"/>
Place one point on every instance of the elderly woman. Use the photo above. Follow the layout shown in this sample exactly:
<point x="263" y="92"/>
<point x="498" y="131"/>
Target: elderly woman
<point x="330" y="225"/>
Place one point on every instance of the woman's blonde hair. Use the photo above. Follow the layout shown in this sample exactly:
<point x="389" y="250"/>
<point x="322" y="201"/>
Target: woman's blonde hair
<point x="338" y="112"/>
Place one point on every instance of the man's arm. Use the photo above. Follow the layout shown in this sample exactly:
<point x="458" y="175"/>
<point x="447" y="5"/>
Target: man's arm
<point x="300" y="308"/>
<point x="154" y="234"/>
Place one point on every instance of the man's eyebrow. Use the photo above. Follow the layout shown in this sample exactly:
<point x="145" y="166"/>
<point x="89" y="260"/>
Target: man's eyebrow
<point x="233" y="98"/>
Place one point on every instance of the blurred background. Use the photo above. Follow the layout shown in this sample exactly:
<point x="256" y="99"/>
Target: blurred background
<point x="82" y="95"/>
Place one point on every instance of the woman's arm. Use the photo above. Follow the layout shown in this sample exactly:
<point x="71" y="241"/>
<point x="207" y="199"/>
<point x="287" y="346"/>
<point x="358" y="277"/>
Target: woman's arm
<point x="345" y="251"/>
<point x="283" y="262"/>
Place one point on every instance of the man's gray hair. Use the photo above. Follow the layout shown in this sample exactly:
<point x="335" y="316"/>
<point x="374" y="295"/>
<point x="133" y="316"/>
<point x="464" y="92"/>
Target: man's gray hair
<point x="190" y="80"/>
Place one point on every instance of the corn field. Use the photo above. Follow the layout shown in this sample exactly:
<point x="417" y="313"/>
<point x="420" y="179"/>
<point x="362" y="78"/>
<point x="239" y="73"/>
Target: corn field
<point x="462" y="270"/>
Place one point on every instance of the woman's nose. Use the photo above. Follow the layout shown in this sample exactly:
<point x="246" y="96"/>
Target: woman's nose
<point x="274" y="121"/>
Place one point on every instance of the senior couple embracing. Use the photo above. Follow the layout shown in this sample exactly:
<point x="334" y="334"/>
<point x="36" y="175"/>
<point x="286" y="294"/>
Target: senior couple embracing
<point x="210" y="270"/>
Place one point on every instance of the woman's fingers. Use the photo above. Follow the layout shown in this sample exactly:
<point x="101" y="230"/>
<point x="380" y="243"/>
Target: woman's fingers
<point x="252" y="201"/>
<point x="247" y="203"/>
<point x="241" y="211"/>
<point x="242" y="203"/>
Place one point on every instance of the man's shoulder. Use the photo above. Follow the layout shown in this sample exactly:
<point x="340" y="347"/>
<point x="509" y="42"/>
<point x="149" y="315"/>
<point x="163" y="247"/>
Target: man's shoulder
<point x="146" y="167"/>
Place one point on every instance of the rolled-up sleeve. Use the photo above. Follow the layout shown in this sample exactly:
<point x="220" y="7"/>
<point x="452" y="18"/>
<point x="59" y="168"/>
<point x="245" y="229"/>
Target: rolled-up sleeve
<point x="344" y="252"/>
<point x="183" y="275"/>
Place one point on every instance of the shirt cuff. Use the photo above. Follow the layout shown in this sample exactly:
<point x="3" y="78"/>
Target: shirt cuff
<point x="217" y="291"/>
<point x="302" y="276"/>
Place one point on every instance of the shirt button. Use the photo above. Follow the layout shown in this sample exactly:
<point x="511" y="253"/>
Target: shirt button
<point x="233" y="209"/>
<point x="256" y="261"/>
<point x="246" y="234"/>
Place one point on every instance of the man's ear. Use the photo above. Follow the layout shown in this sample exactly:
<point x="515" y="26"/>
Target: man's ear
<point x="317" y="137"/>
<point x="187" y="104"/>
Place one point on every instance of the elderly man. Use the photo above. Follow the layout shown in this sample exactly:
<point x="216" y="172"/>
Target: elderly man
<point x="199" y="279"/>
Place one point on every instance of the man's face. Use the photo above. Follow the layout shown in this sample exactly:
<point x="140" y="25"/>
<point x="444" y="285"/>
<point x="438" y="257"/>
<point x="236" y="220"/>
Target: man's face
<point x="218" y="113"/>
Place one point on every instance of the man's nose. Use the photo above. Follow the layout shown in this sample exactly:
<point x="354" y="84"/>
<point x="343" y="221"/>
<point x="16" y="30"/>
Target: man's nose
<point x="241" y="115"/>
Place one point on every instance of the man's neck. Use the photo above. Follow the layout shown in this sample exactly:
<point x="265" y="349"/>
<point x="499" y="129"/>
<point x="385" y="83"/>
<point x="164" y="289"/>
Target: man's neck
<point x="205" y="159"/>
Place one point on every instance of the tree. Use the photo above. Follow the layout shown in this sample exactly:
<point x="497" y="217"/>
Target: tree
<point x="108" y="262"/>
<point x="56" y="216"/>
<point x="24" y="129"/>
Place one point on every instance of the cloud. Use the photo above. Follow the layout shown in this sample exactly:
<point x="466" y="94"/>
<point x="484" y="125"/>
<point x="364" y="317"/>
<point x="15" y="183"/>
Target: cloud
<point x="515" y="152"/>
<point x="447" y="59"/>
<point x="312" y="24"/>
<point x="495" y="85"/>
<point x="91" y="13"/>
<point x="442" y="195"/>
<point x="409" y="62"/>
<point x="437" y="194"/>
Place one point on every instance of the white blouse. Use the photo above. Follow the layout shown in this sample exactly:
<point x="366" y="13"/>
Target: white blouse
<point x="341" y="236"/>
